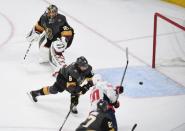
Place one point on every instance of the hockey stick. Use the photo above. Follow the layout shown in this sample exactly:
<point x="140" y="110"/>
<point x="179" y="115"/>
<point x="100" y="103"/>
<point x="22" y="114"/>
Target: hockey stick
<point x="66" y="118"/>
<point x="28" y="50"/>
<point x="125" y="67"/>
<point x="134" y="127"/>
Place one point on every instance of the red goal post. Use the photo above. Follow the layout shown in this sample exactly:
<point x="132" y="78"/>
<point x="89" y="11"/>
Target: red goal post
<point x="156" y="16"/>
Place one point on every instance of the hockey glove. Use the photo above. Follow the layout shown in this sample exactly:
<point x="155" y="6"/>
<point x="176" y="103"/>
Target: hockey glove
<point x="116" y="104"/>
<point x="119" y="89"/>
<point x="84" y="89"/>
<point x="90" y="83"/>
<point x="32" y="35"/>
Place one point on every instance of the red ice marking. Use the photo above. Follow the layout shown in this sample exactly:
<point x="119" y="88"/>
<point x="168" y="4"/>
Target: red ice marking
<point x="11" y="30"/>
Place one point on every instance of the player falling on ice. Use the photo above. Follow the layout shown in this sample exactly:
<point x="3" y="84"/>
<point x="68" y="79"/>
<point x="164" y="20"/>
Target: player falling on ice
<point x="54" y="35"/>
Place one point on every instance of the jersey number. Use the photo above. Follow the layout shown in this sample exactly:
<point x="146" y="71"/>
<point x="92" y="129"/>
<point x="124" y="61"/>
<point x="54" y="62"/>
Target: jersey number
<point x="89" y="121"/>
<point x="110" y="124"/>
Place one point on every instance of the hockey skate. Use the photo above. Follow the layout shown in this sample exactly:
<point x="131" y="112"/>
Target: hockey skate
<point x="32" y="96"/>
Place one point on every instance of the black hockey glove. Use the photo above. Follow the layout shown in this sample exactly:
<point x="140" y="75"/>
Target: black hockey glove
<point x="119" y="89"/>
<point x="90" y="83"/>
<point x="116" y="104"/>
<point x="84" y="89"/>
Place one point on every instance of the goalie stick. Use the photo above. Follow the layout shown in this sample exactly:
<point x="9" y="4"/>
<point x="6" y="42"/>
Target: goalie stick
<point x="28" y="50"/>
<point x="125" y="67"/>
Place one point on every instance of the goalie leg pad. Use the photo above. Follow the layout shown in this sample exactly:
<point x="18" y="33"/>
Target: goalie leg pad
<point x="43" y="54"/>
<point x="56" y="59"/>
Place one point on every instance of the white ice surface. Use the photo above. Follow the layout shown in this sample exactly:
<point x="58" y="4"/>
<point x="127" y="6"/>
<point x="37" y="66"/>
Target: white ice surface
<point x="103" y="28"/>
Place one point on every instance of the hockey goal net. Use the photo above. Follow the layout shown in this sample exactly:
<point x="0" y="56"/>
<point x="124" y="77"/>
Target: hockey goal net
<point x="169" y="44"/>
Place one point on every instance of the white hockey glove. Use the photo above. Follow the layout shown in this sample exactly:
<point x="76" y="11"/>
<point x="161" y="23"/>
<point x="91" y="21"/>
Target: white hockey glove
<point x="32" y="35"/>
<point x="59" y="45"/>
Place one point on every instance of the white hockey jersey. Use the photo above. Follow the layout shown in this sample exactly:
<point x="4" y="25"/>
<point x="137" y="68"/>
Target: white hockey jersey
<point x="99" y="91"/>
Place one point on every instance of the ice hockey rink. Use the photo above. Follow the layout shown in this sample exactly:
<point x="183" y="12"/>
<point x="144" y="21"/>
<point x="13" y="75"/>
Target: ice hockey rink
<point x="103" y="29"/>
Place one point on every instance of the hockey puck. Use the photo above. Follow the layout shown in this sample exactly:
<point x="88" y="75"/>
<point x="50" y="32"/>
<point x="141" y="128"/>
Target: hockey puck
<point x="141" y="83"/>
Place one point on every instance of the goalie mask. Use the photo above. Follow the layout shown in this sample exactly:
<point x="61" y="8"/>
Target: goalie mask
<point x="51" y="12"/>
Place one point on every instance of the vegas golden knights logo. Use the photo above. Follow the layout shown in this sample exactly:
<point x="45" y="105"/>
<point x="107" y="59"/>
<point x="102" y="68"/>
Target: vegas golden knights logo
<point x="49" y="33"/>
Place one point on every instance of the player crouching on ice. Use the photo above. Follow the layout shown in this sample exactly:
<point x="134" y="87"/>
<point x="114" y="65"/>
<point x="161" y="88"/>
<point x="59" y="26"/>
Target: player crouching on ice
<point x="102" y="90"/>
<point x="70" y="79"/>
<point x="54" y="35"/>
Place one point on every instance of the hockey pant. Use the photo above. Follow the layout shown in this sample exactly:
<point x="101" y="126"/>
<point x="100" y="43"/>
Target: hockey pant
<point x="113" y="117"/>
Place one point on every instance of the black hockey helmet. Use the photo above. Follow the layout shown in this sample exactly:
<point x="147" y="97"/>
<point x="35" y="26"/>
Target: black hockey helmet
<point x="102" y="105"/>
<point x="51" y="12"/>
<point x="82" y="63"/>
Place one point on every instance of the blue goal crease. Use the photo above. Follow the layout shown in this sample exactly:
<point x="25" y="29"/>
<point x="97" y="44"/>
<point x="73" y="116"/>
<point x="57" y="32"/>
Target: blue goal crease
<point x="154" y="83"/>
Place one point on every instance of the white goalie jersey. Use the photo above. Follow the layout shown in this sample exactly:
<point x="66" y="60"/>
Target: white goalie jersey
<point x="99" y="91"/>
